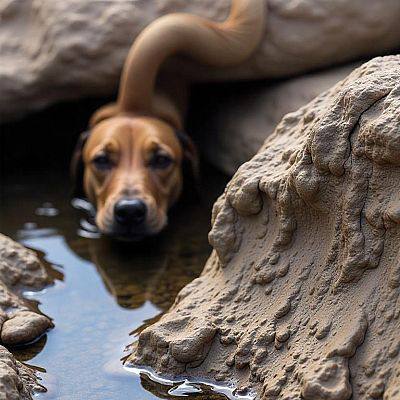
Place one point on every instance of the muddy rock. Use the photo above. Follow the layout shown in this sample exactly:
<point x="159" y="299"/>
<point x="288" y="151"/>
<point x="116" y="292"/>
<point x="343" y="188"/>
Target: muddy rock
<point x="17" y="381"/>
<point x="24" y="327"/>
<point x="77" y="49"/>
<point x="243" y="117"/>
<point x="301" y="295"/>
<point x="20" y="269"/>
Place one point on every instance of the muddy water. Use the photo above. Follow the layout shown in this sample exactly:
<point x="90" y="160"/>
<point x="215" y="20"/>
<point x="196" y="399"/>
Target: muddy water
<point x="104" y="292"/>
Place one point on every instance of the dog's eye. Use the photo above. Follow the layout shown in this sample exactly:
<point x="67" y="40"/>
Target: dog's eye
<point x="102" y="162"/>
<point x="160" y="161"/>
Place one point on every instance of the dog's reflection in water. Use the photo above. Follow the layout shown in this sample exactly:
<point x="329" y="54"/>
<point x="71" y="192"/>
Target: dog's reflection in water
<point x="154" y="269"/>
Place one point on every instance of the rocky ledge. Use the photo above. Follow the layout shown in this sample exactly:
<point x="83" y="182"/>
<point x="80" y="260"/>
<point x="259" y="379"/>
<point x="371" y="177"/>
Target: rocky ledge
<point x="20" y="269"/>
<point x="77" y="48"/>
<point x="302" y="289"/>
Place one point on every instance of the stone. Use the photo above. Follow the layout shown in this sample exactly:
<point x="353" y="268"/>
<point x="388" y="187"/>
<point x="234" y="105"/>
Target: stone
<point x="243" y="117"/>
<point x="324" y="186"/>
<point x="24" y="327"/>
<point x="76" y="49"/>
<point x="17" y="381"/>
<point x="20" y="268"/>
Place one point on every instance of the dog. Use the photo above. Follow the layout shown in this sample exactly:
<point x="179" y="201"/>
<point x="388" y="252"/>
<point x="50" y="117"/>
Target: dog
<point x="129" y="163"/>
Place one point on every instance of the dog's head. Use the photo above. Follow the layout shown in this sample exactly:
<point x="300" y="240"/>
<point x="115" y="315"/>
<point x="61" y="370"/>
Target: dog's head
<point x="130" y="169"/>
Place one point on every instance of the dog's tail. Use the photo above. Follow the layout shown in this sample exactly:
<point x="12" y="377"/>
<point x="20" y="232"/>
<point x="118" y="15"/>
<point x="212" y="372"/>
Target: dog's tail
<point x="216" y="44"/>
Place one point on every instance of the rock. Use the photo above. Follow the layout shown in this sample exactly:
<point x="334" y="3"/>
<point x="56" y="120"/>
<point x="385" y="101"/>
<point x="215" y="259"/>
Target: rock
<point x="17" y="381"/>
<point x="24" y="327"/>
<point x="76" y="49"/>
<point x="321" y="199"/>
<point x="327" y="381"/>
<point x="392" y="390"/>
<point x="20" y="268"/>
<point x="234" y="122"/>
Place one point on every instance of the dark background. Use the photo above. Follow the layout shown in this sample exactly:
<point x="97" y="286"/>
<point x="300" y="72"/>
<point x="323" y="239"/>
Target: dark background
<point x="45" y="140"/>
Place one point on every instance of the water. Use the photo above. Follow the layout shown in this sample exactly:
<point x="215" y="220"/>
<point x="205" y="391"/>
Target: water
<point x="105" y="292"/>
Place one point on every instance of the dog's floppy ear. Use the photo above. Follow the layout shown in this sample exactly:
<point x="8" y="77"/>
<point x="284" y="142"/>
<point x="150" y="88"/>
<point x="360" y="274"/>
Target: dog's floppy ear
<point x="190" y="163"/>
<point x="77" y="167"/>
<point x="104" y="112"/>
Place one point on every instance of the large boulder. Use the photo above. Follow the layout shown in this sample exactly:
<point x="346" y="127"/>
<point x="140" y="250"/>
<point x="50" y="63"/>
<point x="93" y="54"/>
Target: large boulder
<point x="65" y="49"/>
<point x="301" y="295"/>
<point x="232" y="122"/>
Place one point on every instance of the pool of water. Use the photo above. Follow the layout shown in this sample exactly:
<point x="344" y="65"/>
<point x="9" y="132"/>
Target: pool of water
<point x="104" y="292"/>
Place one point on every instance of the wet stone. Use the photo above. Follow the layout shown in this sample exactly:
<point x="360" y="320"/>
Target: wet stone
<point x="24" y="327"/>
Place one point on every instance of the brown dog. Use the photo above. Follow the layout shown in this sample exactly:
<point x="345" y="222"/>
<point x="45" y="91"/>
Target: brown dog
<point x="132" y="157"/>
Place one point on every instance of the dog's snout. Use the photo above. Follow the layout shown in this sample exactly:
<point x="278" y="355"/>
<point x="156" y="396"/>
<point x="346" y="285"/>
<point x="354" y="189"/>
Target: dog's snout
<point x="130" y="211"/>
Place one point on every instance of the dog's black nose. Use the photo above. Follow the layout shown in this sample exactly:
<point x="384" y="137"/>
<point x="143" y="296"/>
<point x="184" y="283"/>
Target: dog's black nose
<point x="130" y="211"/>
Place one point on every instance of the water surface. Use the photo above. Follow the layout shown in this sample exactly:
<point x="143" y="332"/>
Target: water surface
<point x="104" y="291"/>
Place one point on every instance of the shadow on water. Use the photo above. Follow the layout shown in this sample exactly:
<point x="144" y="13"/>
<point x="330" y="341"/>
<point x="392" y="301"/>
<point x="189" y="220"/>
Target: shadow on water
<point x="103" y="290"/>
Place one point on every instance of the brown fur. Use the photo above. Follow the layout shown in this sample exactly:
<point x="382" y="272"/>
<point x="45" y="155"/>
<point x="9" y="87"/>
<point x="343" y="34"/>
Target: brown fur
<point x="145" y="119"/>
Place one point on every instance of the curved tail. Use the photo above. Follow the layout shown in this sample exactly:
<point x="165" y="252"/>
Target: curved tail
<point x="216" y="44"/>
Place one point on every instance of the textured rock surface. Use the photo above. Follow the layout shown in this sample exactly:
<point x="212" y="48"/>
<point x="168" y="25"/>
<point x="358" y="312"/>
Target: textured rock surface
<point x="63" y="49"/>
<point x="16" y="380"/>
<point x="23" y="327"/>
<point x="302" y="290"/>
<point x="235" y="122"/>
<point x="19" y="268"/>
